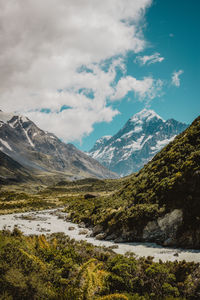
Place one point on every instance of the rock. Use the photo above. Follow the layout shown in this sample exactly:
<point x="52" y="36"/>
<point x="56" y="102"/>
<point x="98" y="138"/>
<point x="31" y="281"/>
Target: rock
<point x="168" y="242"/>
<point x="171" y="220"/>
<point x="84" y="231"/>
<point x="111" y="237"/>
<point x="89" y="196"/>
<point x="97" y="229"/>
<point x="113" y="247"/>
<point x="164" y="229"/>
<point x="100" y="236"/>
<point x="176" y="254"/>
<point x="119" y="240"/>
<point x="71" y="228"/>
<point x="61" y="216"/>
<point x="81" y="225"/>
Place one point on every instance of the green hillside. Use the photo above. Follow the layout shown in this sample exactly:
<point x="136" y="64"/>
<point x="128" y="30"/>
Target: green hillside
<point x="168" y="186"/>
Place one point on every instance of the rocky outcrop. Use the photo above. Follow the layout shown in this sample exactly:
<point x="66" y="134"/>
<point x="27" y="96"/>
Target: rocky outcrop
<point x="164" y="229"/>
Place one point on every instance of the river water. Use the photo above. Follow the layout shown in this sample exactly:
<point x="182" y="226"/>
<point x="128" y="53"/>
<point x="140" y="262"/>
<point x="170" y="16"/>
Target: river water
<point x="51" y="221"/>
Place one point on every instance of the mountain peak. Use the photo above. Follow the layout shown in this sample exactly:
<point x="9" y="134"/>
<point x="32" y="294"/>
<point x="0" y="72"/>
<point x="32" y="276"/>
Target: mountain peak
<point x="6" y="117"/>
<point x="145" y="115"/>
<point x="136" y="143"/>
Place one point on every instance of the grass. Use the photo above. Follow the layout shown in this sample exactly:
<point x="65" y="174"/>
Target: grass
<point x="21" y="198"/>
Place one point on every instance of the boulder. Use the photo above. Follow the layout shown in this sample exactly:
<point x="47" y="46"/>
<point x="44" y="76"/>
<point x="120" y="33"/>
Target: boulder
<point x="83" y="231"/>
<point x="97" y="229"/>
<point x="100" y="236"/>
<point x="164" y="229"/>
<point x="71" y="228"/>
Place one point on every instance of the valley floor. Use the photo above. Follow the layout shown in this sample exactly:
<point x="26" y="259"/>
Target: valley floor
<point x="51" y="255"/>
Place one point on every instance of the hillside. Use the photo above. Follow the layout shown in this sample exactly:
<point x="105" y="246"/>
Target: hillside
<point x="11" y="171"/>
<point x="143" y="135"/>
<point x="161" y="203"/>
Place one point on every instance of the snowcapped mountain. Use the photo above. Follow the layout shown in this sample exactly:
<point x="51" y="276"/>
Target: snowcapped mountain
<point x="136" y="143"/>
<point x="39" y="150"/>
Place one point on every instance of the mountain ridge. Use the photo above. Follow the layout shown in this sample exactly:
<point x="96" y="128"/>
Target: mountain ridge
<point x="40" y="150"/>
<point x="142" y="136"/>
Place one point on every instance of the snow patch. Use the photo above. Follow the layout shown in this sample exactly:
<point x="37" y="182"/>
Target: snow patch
<point x="13" y="124"/>
<point x="28" y="138"/>
<point x="107" y="154"/>
<point x="137" y="129"/>
<point x="5" y="144"/>
<point x="128" y="134"/>
<point x="135" y="146"/>
<point x="24" y="119"/>
<point x="103" y="138"/>
<point x="160" y="144"/>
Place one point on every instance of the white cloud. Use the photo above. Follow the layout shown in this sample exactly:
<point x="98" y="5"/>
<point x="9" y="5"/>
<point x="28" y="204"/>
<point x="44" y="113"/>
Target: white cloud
<point x="146" y="88"/>
<point x="175" y="77"/>
<point x="44" y="43"/>
<point x="149" y="59"/>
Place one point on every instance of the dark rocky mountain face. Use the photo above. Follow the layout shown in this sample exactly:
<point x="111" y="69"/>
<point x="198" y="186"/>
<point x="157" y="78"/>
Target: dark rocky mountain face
<point x="11" y="171"/>
<point x="39" y="150"/>
<point x="145" y="134"/>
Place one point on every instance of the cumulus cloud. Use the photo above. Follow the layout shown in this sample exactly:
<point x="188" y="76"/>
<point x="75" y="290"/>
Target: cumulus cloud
<point x="175" y="77"/>
<point x="146" y="88"/>
<point x="52" y="55"/>
<point x="149" y="59"/>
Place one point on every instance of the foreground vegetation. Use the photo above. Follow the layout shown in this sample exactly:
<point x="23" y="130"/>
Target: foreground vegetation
<point x="55" y="267"/>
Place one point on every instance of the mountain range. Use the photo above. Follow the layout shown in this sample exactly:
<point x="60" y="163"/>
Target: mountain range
<point x="38" y="152"/>
<point x="143" y="135"/>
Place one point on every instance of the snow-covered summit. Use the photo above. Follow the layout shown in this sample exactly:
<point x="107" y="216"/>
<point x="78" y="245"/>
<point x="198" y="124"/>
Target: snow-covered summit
<point x="145" y="115"/>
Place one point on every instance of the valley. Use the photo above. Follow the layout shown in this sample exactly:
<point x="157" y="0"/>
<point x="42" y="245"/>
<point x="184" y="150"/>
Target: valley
<point x="145" y="224"/>
<point x="99" y="150"/>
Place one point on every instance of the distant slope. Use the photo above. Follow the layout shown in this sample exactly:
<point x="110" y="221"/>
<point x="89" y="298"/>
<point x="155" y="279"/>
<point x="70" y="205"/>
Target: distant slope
<point x="145" y="134"/>
<point x="161" y="203"/>
<point x="11" y="171"/>
<point x="36" y="149"/>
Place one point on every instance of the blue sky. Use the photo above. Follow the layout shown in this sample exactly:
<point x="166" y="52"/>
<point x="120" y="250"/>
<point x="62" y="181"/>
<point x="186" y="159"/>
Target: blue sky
<point x="83" y="68"/>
